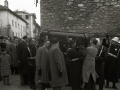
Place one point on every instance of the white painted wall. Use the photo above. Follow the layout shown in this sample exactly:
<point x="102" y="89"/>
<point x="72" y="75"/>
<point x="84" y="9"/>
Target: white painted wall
<point x="7" y="17"/>
<point x="31" y="25"/>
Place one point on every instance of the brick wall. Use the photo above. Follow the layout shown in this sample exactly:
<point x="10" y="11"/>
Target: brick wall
<point x="97" y="16"/>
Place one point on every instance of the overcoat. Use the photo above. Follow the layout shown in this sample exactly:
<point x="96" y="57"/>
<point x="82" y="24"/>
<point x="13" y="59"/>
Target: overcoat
<point x="57" y="63"/>
<point x="74" y="68"/>
<point x="89" y="64"/>
<point x="28" y="57"/>
<point x="23" y="63"/>
<point x="5" y="65"/>
<point x="100" y="63"/>
<point x="12" y="51"/>
<point x="42" y="61"/>
<point x="111" y="64"/>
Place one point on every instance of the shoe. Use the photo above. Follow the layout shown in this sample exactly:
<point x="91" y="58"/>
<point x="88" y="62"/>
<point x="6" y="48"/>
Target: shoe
<point x="114" y="87"/>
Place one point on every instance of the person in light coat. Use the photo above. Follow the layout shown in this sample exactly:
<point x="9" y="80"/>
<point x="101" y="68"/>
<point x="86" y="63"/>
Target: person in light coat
<point x="12" y="51"/>
<point x="57" y="66"/>
<point x="42" y="62"/>
<point x="89" y="73"/>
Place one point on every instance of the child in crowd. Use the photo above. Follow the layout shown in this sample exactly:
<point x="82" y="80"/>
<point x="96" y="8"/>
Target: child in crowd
<point x="5" y="66"/>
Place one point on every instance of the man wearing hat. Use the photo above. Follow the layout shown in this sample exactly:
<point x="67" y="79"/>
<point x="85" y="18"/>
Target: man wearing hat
<point x="22" y="61"/>
<point x="111" y="63"/>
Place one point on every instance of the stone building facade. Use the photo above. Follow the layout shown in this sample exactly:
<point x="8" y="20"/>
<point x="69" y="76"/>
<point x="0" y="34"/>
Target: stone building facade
<point x="90" y="16"/>
<point x="30" y="18"/>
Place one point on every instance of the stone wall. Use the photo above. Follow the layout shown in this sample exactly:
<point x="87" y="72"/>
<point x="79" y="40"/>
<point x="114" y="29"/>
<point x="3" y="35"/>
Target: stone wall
<point x="91" y="16"/>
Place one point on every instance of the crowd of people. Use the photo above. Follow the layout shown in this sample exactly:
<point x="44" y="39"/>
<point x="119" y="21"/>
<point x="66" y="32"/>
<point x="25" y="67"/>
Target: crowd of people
<point x="45" y="66"/>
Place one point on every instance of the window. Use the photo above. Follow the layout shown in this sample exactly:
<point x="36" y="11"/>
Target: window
<point x="12" y="22"/>
<point x="16" y="24"/>
<point x="21" y="27"/>
<point x="27" y="17"/>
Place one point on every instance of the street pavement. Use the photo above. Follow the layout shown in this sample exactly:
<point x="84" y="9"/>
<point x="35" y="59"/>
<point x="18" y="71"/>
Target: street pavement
<point x="15" y="85"/>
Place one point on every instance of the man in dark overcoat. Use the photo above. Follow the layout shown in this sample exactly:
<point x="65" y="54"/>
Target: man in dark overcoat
<point x="100" y="63"/>
<point x="30" y="54"/>
<point x="74" y="66"/>
<point x="22" y="62"/>
<point x="57" y="66"/>
<point x="42" y="63"/>
<point x="111" y="74"/>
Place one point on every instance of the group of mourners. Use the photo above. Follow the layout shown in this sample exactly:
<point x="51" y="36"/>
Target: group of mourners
<point x="17" y="57"/>
<point x="45" y="66"/>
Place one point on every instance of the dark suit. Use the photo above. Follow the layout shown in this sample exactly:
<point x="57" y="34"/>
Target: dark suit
<point x="111" y="73"/>
<point x="99" y="66"/>
<point x="31" y="63"/>
<point x="74" y="68"/>
<point x="22" y="61"/>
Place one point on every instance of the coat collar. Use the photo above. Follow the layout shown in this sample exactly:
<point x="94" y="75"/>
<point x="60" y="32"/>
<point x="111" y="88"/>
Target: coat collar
<point x="45" y="49"/>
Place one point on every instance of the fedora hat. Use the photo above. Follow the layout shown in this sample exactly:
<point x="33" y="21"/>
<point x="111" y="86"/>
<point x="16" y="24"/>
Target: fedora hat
<point x="116" y="39"/>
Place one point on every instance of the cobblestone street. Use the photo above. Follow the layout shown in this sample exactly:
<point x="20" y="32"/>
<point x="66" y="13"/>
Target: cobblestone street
<point x="15" y="85"/>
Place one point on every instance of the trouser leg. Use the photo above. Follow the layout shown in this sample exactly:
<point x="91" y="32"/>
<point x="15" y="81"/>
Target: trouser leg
<point x="16" y="70"/>
<point x="107" y="82"/>
<point x="101" y="87"/>
<point x="4" y="81"/>
<point x="8" y="82"/>
<point x="114" y="85"/>
<point x="26" y="79"/>
<point x="21" y="79"/>
<point x="91" y="84"/>
<point x="12" y="70"/>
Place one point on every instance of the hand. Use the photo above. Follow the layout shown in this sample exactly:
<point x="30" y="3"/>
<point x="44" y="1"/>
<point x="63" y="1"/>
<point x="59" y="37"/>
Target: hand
<point x="60" y="73"/>
<point x="18" y="61"/>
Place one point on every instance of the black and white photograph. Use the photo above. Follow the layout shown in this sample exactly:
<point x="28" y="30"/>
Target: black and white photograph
<point x="59" y="44"/>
